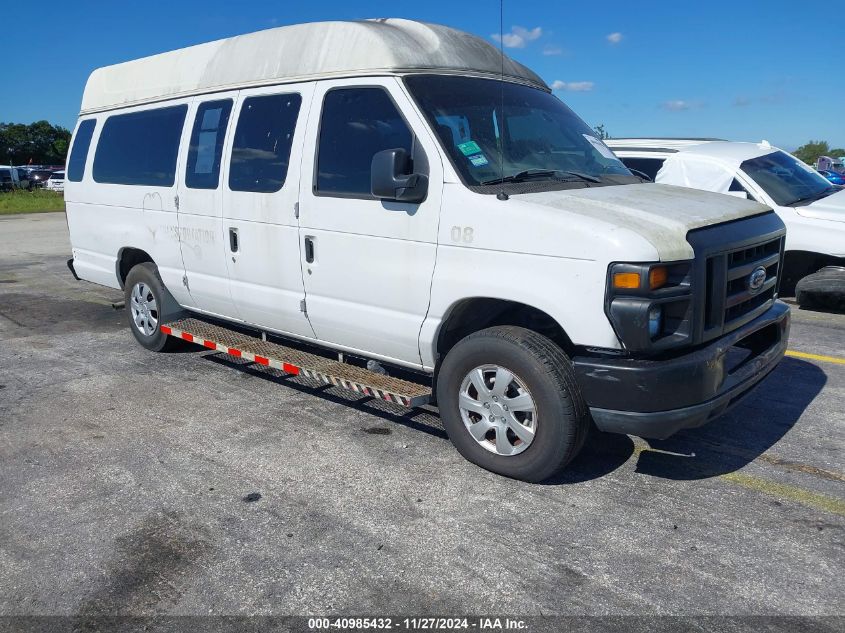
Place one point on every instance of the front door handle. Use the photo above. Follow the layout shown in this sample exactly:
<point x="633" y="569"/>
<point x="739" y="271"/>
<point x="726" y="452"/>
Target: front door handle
<point x="233" y="239"/>
<point x="309" y="250"/>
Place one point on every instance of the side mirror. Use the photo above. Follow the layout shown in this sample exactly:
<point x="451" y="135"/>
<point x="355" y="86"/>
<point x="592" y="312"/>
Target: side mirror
<point x="390" y="180"/>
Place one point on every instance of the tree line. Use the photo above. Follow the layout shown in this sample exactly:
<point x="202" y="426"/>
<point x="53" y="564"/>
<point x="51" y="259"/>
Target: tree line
<point x="810" y="152"/>
<point x="39" y="143"/>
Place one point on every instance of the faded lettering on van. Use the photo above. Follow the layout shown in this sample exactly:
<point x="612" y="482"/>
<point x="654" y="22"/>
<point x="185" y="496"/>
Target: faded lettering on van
<point x="190" y="236"/>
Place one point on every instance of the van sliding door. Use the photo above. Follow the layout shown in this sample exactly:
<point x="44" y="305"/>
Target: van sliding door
<point x="260" y="196"/>
<point x="201" y="235"/>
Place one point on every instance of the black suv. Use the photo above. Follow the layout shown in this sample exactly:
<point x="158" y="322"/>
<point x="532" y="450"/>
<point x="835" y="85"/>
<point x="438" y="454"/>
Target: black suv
<point x="38" y="176"/>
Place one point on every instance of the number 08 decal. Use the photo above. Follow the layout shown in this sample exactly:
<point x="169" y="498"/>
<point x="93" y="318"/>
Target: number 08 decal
<point x="462" y="234"/>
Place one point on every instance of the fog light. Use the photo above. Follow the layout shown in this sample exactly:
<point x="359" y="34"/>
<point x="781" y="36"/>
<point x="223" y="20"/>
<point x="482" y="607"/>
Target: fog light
<point x="655" y="321"/>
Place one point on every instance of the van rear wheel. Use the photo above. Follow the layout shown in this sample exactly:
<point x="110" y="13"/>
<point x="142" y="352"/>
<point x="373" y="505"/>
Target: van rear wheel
<point x="144" y="296"/>
<point x="510" y="403"/>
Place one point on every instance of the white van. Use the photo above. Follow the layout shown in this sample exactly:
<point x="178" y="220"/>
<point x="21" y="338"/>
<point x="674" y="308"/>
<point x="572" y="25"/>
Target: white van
<point x="392" y="207"/>
<point x="812" y="209"/>
<point x="55" y="182"/>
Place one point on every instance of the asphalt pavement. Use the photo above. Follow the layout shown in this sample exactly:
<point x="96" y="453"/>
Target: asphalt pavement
<point x="135" y="483"/>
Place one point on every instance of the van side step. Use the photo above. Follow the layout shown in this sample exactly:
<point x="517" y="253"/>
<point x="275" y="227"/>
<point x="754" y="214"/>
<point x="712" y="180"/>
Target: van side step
<point x="294" y="361"/>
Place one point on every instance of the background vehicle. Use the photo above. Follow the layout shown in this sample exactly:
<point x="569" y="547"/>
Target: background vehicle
<point x="812" y="208"/>
<point x="302" y="182"/>
<point x="8" y="178"/>
<point x="826" y="163"/>
<point x="56" y="181"/>
<point x="38" y="176"/>
<point x="23" y="178"/>
<point x="833" y="176"/>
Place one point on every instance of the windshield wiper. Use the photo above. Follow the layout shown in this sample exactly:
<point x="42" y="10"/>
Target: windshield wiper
<point x="582" y="176"/>
<point x="521" y="176"/>
<point x="817" y="196"/>
<point x="530" y="174"/>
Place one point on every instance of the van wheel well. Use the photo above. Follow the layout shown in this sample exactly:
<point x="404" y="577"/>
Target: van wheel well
<point x="472" y="315"/>
<point x="127" y="259"/>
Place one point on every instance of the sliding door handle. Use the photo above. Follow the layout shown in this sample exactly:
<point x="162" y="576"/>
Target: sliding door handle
<point x="233" y="239"/>
<point x="309" y="250"/>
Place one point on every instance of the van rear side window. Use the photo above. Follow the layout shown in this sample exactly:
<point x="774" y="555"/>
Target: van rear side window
<point x="140" y="148"/>
<point x="79" y="153"/>
<point x="203" y="169"/>
<point x="263" y="138"/>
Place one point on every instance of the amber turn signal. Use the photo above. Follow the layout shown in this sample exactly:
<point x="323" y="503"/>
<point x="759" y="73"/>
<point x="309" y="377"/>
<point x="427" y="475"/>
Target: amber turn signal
<point x="657" y="277"/>
<point x="629" y="281"/>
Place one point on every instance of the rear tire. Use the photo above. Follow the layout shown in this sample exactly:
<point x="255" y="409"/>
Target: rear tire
<point x="533" y="423"/>
<point x="145" y="297"/>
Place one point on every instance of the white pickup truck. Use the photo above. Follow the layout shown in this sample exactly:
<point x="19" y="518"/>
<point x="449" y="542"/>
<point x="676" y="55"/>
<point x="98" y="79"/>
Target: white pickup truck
<point x="393" y="207"/>
<point x="812" y="209"/>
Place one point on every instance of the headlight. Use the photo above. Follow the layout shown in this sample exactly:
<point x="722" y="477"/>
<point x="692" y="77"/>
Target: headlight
<point x="657" y="277"/>
<point x="649" y="304"/>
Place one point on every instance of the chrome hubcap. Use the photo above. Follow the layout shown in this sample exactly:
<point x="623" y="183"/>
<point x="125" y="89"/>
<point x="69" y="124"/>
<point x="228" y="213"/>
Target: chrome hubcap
<point x="498" y="410"/>
<point x="142" y="304"/>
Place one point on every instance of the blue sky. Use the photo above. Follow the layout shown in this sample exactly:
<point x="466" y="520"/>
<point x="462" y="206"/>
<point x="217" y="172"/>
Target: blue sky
<point x="742" y="70"/>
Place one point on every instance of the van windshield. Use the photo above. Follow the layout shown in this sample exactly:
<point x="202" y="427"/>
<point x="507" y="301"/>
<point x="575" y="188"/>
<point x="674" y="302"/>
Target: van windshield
<point x="787" y="180"/>
<point x="492" y="129"/>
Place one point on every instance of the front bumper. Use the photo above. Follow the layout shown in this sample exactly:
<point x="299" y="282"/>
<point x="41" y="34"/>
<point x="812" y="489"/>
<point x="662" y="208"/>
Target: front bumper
<point x="655" y="398"/>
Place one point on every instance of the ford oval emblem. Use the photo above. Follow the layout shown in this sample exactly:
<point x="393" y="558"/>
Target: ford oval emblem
<point x="756" y="279"/>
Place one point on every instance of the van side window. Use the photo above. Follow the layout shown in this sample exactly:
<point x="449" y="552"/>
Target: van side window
<point x="356" y="124"/>
<point x="79" y="153"/>
<point x="737" y="186"/>
<point x="140" y="148"/>
<point x="263" y="138"/>
<point x="206" y="148"/>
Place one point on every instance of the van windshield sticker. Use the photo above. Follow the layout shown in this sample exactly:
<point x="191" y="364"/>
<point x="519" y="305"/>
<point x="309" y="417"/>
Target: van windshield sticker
<point x="603" y="149"/>
<point x="469" y="148"/>
<point x="479" y="160"/>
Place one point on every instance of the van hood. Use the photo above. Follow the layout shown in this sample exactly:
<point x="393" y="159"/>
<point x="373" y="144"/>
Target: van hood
<point x="830" y="208"/>
<point x="661" y="214"/>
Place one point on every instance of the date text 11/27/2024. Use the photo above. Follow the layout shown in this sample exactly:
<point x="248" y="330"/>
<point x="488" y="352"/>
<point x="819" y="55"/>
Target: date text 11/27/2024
<point x="418" y="624"/>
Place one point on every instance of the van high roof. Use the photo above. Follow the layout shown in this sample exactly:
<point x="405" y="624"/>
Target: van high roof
<point x="298" y="53"/>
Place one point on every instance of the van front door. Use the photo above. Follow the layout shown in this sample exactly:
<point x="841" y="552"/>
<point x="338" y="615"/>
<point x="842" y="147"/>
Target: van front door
<point x="260" y="192"/>
<point x="367" y="263"/>
<point x="200" y="205"/>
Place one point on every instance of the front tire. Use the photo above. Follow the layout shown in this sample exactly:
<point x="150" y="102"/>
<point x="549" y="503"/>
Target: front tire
<point x="144" y="294"/>
<point x="824" y="289"/>
<point x="510" y="403"/>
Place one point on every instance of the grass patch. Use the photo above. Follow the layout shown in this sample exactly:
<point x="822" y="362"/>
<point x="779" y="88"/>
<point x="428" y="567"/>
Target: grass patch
<point x="37" y="201"/>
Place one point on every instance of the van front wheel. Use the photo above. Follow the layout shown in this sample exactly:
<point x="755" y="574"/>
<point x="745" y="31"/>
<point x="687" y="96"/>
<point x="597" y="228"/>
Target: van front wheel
<point x="144" y="293"/>
<point x="510" y="403"/>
